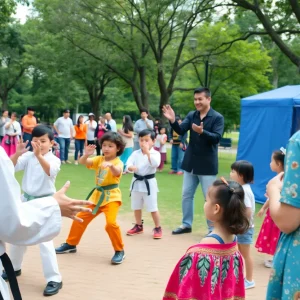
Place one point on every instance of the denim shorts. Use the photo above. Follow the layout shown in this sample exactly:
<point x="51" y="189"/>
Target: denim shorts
<point x="246" y="238"/>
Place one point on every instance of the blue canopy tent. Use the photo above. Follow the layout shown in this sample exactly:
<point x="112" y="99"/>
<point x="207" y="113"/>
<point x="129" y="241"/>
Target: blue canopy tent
<point x="268" y="120"/>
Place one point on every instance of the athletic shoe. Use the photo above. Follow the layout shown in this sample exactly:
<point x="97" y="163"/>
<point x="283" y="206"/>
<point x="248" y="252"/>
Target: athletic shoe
<point x="65" y="248"/>
<point x="179" y="173"/>
<point x="269" y="263"/>
<point x="249" y="284"/>
<point x="118" y="258"/>
<point x="157" y="233"/>
<point x="17" y="273"/>
<point x="76" y="163"/>
<point x="68" y="162"/>
<point x="63" y="162"/>
<point x="136" y="229"/>
<point x="172" y="172"/>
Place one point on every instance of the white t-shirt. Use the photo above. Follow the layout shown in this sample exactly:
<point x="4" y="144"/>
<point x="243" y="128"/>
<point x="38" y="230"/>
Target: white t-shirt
<point x="64" y="126"/>
<point x="113" y="125"/>
<point x="91" y="129"/>
<point x="35" y="181"/>
<point x="249" y="202"/>
<point x="11" y="129"/>
<point x="137" y="158"/>
<point x="158" y="143"/>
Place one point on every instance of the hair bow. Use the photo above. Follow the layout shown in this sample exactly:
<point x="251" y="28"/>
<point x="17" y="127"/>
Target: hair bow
<point x="283" y="150"/>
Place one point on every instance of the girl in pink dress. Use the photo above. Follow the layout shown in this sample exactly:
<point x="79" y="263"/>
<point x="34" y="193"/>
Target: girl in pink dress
<point x="269" y="233"/>
<point x="213" y="269"/>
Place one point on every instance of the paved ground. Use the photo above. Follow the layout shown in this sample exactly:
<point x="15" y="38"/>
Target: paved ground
<point x="143" y="276"/>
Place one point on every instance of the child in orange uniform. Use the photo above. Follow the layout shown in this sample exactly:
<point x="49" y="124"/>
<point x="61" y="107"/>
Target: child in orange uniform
<point x="106" y="196"/>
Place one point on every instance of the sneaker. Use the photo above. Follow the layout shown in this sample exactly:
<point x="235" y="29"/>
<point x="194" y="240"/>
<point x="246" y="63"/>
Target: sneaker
<point x="76" y="163"/>
<point x="172" y="172"/>
<point x="68" y="162"/>
<point x="136" y="229"/>
<point x="63" y="162"/>
<point x="17" y="273"/>
<point x="249" y="284"/>
<point x="157" y="233"/>
<point x="118" y="258"/>
<point x="269" y="263"/>
<point x="65" y="248"/>
<point x="179" y="173"/>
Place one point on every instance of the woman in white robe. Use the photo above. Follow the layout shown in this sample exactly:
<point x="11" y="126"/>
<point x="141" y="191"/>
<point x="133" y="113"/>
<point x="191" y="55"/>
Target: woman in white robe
<point x="31" y="222"/>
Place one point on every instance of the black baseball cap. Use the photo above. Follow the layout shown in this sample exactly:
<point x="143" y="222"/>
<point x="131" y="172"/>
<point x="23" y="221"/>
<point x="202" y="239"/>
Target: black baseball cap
<point x="66" y="111"/>
<point x="30" y="108"/>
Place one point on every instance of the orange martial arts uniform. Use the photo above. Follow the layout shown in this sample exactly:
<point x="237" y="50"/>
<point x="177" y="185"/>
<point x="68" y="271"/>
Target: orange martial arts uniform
<point x="109" y="206"/>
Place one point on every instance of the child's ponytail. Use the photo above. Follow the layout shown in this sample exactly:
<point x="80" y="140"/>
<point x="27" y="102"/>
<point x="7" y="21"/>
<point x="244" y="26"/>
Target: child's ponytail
<point x="230" y="196"/>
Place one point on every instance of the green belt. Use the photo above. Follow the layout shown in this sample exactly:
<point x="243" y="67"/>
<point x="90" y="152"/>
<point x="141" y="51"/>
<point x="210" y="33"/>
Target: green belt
<point x="101" y="189"/>
<point x="29" y="197"/>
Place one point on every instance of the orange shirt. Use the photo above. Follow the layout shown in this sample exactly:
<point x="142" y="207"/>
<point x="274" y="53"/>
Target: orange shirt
<point x="28" y="121"/>
<point x="105" y="177"/>
<point x="80" y="132"/>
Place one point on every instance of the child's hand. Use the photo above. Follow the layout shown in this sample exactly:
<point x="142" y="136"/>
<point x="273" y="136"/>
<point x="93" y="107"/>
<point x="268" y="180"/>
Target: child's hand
<point x="132" y="169"/>
<point x="261" y="213"/>
<point x="21" y="147"/>
<point x="106" y="165"/>
<point x="36" y="146"/>
<point x="89" y="150"/>
<point x="145" y="148"/>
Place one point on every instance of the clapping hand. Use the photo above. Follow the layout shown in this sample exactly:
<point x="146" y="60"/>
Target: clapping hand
<point x="106" y="164"/>
<point x="21" y="147"/>
<point x="145" y="148"/>
<point x="198" y="129"/>
<point x="70" y="207"/>
<point x="36" y="146"/>
<point x="89" y="150"/>
<point x="169" y="113"/>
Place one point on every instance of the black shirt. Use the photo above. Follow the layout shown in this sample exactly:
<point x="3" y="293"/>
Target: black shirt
<point x="201" y="156"/>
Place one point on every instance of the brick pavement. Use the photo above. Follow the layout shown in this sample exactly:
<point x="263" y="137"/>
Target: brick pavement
<point x="89" y="275"/>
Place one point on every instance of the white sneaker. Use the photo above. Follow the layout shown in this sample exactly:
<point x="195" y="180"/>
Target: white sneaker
<point x="76" y="163"/>
<point x="249" y="284"/>
<point x="269" y="263"/>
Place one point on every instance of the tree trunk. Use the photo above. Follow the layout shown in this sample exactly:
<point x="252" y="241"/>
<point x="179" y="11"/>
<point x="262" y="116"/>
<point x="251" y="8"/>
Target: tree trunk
<point x="164" y="94"/>
<point x="143" y="87"/>
<point x="4" y="98"/>
<point x="136" y="95"/>
<point x="93" y="95"/>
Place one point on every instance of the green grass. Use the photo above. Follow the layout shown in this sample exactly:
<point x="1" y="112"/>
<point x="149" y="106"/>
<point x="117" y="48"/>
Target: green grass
<point x="169" y="197"/>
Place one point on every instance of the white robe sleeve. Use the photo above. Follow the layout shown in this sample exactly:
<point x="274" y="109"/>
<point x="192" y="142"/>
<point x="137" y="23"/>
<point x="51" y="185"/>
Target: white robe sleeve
<point x="26" y="223"/>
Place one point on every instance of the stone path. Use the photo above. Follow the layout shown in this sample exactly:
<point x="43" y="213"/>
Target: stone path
<point x="89" y="275"/>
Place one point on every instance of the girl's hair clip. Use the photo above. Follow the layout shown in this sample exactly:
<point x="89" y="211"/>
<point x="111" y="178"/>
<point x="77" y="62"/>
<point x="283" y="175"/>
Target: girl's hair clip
<point x="227" y="184"/>
<point x="283" y="150"/>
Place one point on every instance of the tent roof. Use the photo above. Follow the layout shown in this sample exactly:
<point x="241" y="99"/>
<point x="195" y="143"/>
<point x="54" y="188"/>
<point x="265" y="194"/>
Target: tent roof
<point x="285" y="96"/>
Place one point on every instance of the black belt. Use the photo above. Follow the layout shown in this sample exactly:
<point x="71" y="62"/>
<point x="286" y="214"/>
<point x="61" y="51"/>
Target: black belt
<point x="143" y="178"/>
<point x="10" y="272"/>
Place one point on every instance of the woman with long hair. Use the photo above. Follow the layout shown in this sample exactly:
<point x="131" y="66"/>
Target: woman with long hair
<point x="80" y="130"/>
<point x="127" y="134"/>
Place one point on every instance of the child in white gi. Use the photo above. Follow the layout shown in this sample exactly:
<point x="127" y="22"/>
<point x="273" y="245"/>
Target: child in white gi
<point x="40" y="170"/>
<point x="143" y="163"/>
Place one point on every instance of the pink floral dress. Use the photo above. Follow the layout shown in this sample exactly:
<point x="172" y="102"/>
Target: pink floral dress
<point x="268" y="237"/>
<point x="208" y="272"/>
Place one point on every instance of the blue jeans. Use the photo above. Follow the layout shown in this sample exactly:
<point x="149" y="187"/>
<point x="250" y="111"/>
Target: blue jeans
<point x="79" y="146"/>
<point x="27" y="137"/>
<point x="64" y="144"/>
<point x="177" y="157"/>
<point x="190" y="184"/>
